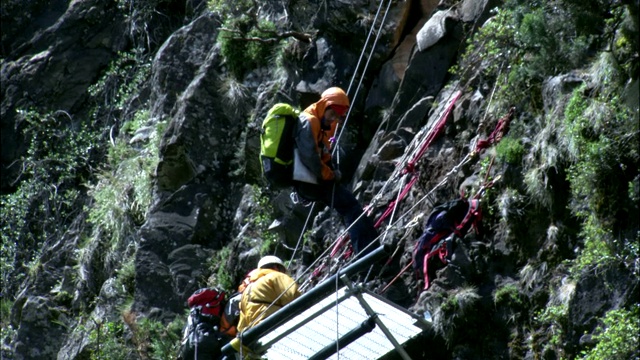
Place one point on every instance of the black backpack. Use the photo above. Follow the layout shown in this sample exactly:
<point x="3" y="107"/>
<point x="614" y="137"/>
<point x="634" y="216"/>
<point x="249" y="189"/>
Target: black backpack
<point x="202" y="339"/>
<point x="445" y="223"/>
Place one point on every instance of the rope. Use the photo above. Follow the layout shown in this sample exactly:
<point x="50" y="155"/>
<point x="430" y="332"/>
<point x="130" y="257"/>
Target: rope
<point x="364" y="71"/>
<point x="410" y="167"/>
<point x="446" y="178"/>
<point x="360" y="82"/>
<point x="293" y="256"/>
<point x="494" y="137"/>
<point x="502" y="127"/>
<point x="432" y="135"/>
<point x="337" y="315"/>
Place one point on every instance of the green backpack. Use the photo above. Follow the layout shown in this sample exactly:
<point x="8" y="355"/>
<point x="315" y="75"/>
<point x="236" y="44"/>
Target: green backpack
<point x="276" y="144"/>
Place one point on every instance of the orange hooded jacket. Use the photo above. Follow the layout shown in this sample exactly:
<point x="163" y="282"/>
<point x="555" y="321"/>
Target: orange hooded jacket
<point x="312" y="140"/>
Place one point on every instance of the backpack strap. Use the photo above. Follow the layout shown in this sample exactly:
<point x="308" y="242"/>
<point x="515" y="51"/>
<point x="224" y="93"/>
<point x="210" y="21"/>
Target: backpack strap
<point x="473" y="216"/>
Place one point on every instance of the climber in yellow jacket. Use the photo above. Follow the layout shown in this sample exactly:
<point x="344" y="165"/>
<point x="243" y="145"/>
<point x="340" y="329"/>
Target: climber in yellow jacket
<point x="269" y="289"/>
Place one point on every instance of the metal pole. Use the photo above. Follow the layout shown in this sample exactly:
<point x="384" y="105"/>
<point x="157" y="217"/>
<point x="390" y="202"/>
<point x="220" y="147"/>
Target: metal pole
<point x="346" y="339"/>
<point x="267" y="345"/>
<point x="379" y="322"/>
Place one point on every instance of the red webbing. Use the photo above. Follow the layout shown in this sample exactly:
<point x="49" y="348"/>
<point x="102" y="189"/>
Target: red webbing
<point x="502" y="127"/>
<point x="435" y="131"/>
<point x="409" y="168"/>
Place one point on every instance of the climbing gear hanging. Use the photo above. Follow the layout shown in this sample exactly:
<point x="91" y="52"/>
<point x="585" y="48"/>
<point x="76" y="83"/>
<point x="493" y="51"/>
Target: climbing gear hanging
<point x="501" y="129"/>
<point x="408" y="169"/>
<point x="446" y="222"/>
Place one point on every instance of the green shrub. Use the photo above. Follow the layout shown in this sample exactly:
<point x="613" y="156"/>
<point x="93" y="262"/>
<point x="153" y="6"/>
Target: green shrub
<point x="108" y="341"/>
<point x="553" y="319"/>
<point x="602" y="138"/>
<point x="5" y="313"/>
<point x="126" y="275"/>
<point x="510" y="150"/>
<point x="59" y="157"/>
<point x="514" y="48"/>
<point x="617" y="337"/>
<point x="229" y="8"/>
<point x="250" y="39"/>
<point x="223" y="278"/>
<point x="596" y="252"/>
<point x="159" y="342"/>
<point x="124" y="77"/>
<point x="246" y="45"/>
<point x="149" y="339"/>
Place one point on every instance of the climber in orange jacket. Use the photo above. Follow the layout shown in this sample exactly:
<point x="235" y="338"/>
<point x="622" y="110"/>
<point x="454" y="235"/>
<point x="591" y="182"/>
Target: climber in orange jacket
<point x="314" y="141"/>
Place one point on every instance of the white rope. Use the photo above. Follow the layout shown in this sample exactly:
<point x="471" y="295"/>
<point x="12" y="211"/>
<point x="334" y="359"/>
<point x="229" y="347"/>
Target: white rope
<point x="337" y="315"/>
<point x="366" y="43"/>
<point x="306" y="222"/>
<point x="397" y="172"/>
<point x="364" y="71"/>
<point x="355" y="73"/>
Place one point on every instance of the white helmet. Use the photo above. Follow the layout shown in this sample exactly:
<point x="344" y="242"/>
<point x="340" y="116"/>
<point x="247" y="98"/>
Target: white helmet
<point x="270" y="259"/>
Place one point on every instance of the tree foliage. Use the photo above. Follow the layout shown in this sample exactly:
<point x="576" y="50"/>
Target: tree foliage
<point x="249" y="37"/>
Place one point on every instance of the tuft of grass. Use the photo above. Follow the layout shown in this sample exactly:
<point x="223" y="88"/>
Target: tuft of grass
<point x="508" y="295"/>
<point x="257" y="232"/>
<point x="510" y="204"/>
<point x="454" y="311"/>
<point x="533" y="274"/>
<point x="122" y="193"/>
<point x="536" y="181"/>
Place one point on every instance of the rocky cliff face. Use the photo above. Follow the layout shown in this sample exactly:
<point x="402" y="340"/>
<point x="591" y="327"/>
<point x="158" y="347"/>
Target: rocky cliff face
<point x="207" y="221"/>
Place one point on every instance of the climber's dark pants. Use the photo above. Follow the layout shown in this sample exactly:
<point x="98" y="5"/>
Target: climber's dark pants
<point x="362" y="233"/>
